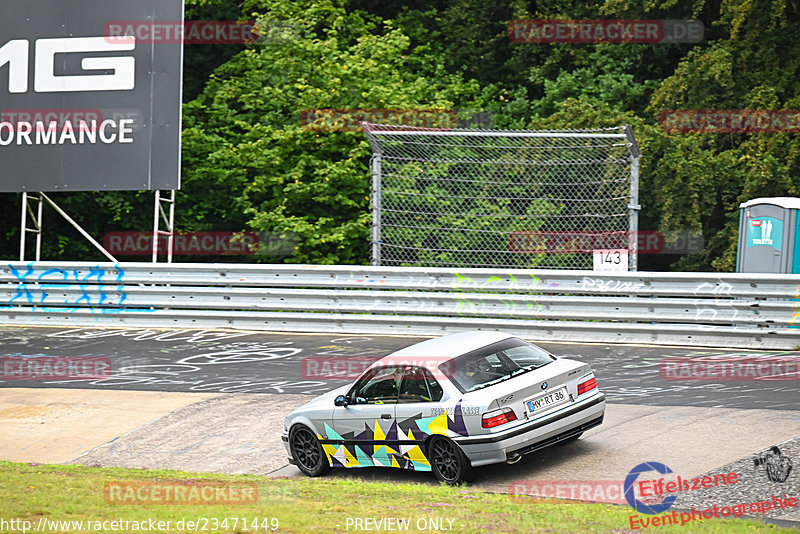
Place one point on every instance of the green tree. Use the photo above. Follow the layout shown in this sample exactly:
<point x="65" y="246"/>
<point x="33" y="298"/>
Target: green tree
<point x="245" y="137"/>
<point x="700" y="179"/>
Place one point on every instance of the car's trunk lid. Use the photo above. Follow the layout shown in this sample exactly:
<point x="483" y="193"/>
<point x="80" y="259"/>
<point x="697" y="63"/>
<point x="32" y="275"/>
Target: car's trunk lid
<point x="538" y="392"/>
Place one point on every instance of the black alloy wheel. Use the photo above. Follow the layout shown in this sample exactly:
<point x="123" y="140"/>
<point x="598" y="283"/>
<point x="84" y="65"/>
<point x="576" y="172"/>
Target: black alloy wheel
<point x="449" y="464"/>
<point x="307" y="452"/>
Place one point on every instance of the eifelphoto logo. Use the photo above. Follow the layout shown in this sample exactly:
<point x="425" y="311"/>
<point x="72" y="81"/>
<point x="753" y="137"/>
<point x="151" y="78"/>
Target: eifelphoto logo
<point x="737" y="510"/>
<point x="224" y="243"/>
<point x="180" y="492"/>
<point x="775" y="464"/>
<point x="192" y="32"/>
<point x="630" y="493"/>
<point x="541" y="31"/>
<point x="654" y="496"/>
<point x="40" y="367"/>
<point x="730" y="121"/>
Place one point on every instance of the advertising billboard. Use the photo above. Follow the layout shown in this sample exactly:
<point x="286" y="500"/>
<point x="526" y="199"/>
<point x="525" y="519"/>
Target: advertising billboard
<point x="82" y="110"/>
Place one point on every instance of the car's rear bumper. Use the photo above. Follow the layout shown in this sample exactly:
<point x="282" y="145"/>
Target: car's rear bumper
<point x="534" y="435"/>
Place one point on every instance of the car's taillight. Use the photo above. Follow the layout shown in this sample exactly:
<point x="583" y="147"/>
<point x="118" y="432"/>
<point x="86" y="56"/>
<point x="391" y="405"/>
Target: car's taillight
<point x="583" y="387"/>
<point x="498" y="417"/>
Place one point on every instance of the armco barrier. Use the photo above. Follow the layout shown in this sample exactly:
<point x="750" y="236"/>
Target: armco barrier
<point x="700" y="309"/>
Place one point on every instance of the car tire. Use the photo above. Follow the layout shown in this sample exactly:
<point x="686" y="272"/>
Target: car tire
<point x="307" y="452"/>
<point x="448" y="461"/>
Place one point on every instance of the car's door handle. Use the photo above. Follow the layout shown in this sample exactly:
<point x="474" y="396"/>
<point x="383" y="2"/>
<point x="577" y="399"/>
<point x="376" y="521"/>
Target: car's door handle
<point x="386" y="416"/>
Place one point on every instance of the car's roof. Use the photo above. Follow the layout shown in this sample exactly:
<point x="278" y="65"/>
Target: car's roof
<point x="453" y="345"/>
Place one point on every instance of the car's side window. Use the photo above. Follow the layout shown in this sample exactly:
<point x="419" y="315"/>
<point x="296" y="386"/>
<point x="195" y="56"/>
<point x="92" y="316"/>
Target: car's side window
<point x="379" y="386"/>
<point x="419" y="385"/>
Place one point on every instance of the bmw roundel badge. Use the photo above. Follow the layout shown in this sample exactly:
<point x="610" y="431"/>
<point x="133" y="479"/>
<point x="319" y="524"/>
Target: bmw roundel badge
<point x="544" y="385"/>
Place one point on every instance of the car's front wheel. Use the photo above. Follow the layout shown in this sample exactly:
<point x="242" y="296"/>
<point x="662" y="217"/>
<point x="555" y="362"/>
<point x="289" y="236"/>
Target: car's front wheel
<point x="307" y="452"/>
<point x="448" y="462"/>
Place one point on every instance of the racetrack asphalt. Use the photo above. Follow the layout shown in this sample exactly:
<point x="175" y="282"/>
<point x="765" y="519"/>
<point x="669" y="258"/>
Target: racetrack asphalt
<point x="246" y="362"/>
<point x="214" y="401"/>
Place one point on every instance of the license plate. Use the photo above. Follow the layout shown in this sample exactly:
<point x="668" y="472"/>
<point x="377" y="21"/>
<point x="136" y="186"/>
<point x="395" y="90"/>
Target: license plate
<point x="548" y="400"/>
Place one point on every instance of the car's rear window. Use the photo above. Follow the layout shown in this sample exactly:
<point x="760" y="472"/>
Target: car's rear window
<point x="494" y="363"/>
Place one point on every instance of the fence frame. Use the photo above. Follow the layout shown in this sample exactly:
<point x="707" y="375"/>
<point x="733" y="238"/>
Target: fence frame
<point x="374" y="132"/>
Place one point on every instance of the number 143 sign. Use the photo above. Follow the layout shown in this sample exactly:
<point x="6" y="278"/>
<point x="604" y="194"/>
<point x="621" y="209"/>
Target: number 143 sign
<point x="610" y="259"/>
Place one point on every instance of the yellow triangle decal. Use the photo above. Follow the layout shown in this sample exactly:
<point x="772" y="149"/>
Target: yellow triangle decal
<point x="379" y="435"/>
<point x="350" y="460"/>
<point x="329" y="449"/>
<point x="439" y="425"/>
<point x="416" y="456"/>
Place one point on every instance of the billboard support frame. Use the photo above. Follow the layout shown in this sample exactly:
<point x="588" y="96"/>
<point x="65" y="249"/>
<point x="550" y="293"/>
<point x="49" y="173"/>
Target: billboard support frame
<point x="37" y="224"/>
<point x="160" y="215"/>
<point x="168" y="217"/>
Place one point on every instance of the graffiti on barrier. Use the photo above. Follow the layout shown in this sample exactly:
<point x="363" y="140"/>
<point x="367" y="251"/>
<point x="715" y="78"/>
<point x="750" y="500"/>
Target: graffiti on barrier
<point x="99" y="290"/>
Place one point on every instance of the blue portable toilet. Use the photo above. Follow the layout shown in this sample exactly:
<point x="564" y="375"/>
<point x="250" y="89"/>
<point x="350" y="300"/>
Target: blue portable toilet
<point x="768" y="236"/>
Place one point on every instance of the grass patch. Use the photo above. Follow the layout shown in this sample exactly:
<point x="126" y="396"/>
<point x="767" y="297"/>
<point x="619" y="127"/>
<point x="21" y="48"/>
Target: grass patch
<point x="29" y="492"/>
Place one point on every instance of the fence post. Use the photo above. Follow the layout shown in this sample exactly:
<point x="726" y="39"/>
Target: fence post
<point x="376" y="209"/>
<point x="633" y="205"/>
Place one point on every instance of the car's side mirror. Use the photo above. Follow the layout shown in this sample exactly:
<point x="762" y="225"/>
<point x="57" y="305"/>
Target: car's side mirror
<point x="341" y="400"/>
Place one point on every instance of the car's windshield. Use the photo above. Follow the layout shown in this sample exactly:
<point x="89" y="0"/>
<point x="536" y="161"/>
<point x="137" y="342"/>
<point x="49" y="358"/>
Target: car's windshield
<point x="495" y="363"/>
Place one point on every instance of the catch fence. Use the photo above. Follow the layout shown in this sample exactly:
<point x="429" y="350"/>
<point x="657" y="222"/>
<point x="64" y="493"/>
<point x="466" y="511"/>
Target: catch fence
<point x="502" y="199"/>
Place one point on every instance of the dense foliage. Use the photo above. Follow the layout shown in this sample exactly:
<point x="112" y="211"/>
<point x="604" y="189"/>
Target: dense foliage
<point x="248" y="164"/>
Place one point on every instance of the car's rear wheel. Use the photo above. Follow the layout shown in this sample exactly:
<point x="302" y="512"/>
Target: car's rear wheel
<point x="448" y="462"/>
<point x="307" y="452"/>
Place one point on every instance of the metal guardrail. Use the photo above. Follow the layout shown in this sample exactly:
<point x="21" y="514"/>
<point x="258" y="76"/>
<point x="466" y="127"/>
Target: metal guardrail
<point x="701" y="309"/>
